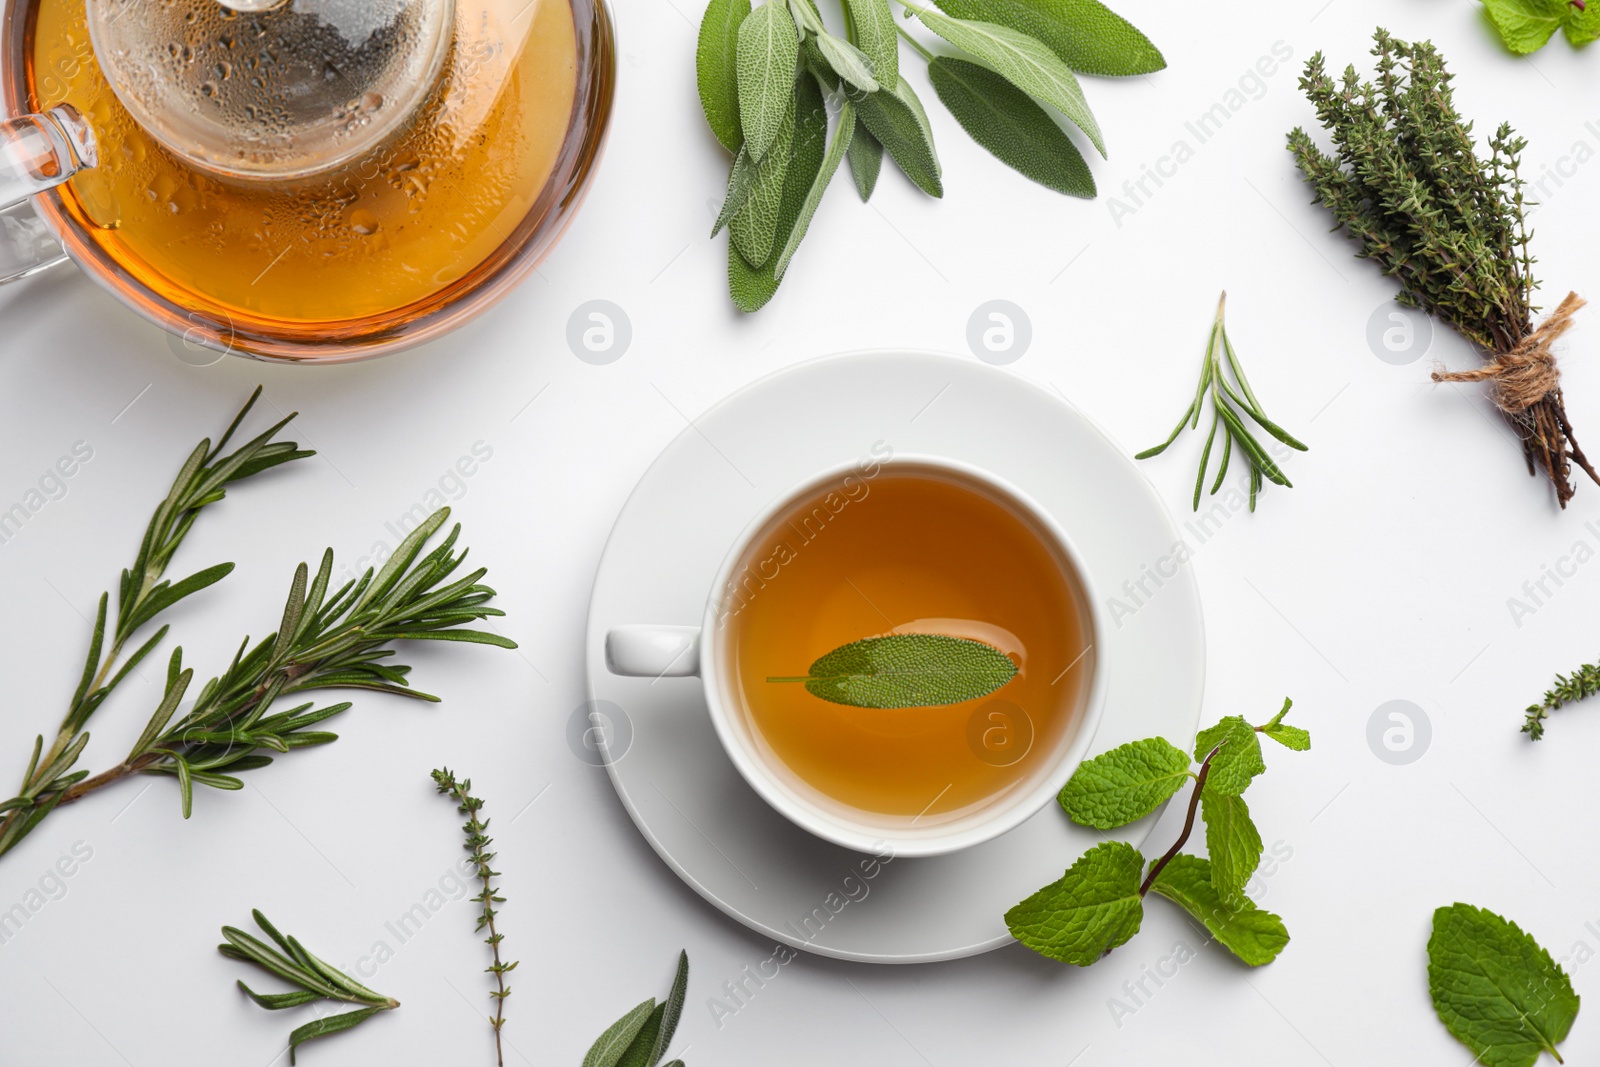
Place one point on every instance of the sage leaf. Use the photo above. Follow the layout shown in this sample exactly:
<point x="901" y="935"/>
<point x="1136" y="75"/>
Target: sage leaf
<point x="643" y="1045"/>
<point x="1233" y="844"/>
<point x="1021" y="60"/>
<point x="1015" y="130"/>
<point x="896" y="120"/>
<point x="847" y="61"/>
<point x="1126" y="784"/>
<point x="753" y="226"/>
<point x="907" y="671"/>
<point x="741" y="181"/>
<point x="866" y="161"/>
<point x="1088" y="36"/>
<point x="672" y="1009"/>
<point x="1093" y="908"/>
<point x="1237" y="762"/>
<point x="715" y="67"/>
<point x="331" y="1025"/>
<point x="765" y="61"/>
<point x="610" y="1046"/>
<point x="1496" y="989"/>
<point x="837" y="148"/>
<point x="1253" y="935"/>
<point x="871" y="28"/>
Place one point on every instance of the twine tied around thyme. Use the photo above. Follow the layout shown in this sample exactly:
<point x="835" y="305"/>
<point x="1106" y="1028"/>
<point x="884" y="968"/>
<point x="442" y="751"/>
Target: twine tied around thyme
<point x="1527" y="388"/>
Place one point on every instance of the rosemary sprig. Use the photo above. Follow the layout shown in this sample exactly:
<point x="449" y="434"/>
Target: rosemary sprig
<point x="316" y="981"/>
<point x="323" y="642"/>
<point x="1222" y="378"/>
<point x="142" y="595"/>
<point x="477" y="843"/>
<point x="1405" y="181"/>
<point x="1569" y="689"/>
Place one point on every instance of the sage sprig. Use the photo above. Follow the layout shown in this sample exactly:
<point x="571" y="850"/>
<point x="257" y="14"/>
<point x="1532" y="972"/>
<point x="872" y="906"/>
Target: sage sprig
<point x="314" y="979"/>
<point x="478" y="842"/>
<point x="341" y="640"/>
<point x="640" y="1038"/>
<point x="1098" y="903"/>
<point x="907" y="671"/>
<point x="755" y="69"/>
<point x="1222" y="380"/>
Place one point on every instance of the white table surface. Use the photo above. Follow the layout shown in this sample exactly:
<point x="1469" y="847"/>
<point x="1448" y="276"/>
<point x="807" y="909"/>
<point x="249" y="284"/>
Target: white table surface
<point x="1384" y="575"/>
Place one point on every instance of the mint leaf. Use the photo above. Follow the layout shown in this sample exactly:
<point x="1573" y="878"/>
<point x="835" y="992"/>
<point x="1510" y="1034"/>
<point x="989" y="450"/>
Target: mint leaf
<point x="1525" y="25"/>
<point x="870" y="26"/>
<point x="843" y="133"/>
<point x="1092" y="909"/>
<point x="1581" y="25"/>
<point x="751" y="287"/>
<point x="907" y="671"/>
<point x="714" y="68"/>
<point x="1125" y="784"/>
<point x="1088" y="36"/>
<point x="753" y="226"/>
<point x="1496" y="989"/>
<point x="1239" y="759"/>
<point x="1015" y="130"/>
<point x="765" y="60"/>
<point x="1253" y="935"/>
<point x="866" y="161"/>
<point x="1021" y="60"/>
<point x="1287" y="736"/>
<point x="1233" y="843"/>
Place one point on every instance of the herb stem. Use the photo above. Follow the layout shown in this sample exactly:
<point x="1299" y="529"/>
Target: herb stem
<point x="1188" y="824"/>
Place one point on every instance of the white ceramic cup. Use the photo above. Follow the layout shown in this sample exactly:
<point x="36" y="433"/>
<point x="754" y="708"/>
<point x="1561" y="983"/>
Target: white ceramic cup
<point x="667" y="651"/>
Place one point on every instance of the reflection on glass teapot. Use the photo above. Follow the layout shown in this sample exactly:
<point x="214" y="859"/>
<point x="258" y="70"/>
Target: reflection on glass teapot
<point x="311" y="180"/>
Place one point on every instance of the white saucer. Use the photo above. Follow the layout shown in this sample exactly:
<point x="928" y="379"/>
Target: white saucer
<point x="673" y="776"/>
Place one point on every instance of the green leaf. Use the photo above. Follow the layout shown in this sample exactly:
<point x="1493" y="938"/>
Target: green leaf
<point x="871" y="28"/>
<point x="1288" y="736"/>
<point x="609" y="1047"/>
<point x="1525" y="25"/>
<point x="866" y="161"/>
<point x="333" y="1024"/>
<point x="1093" y="908"/>
<point x="842" y="135"/>
<point x="1232" y="842"/>
<point x="752" y="287"/>
<point x="897" y="122"/>
<point x="766" y="58"/>
<point x="1237" y="762"/>
<point x="1021" y="60"/>
<point x="1582" y="26"/>
<point x="1015" y="130"/>
<point x="643" y="1045"/>
<point x="1125" y="784"/>
<point x="753" y="227"/>
<point x="672" y="1008"/>
<point x="279" y="1001"/>
<point x="1253" y="935"/>
<point x="1087" y="35"/>
<point x="847" y="61"/>
<point x="907" y="671"/>
<point x="715" y="67"/>
<point x="1496" y="989"/>
<point x="741" y="183"/>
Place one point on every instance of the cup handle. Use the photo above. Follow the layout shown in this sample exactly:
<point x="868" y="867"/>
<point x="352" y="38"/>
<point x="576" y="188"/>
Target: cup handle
<point x="654" y="651"/>
<point x="37" y="152"/>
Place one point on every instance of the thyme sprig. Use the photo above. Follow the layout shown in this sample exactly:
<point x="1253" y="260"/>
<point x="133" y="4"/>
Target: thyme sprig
<point x="1231" y="401"/>
<point x="477" y="843"/>
<point x="315" y="980"/>
<point x="1569" y="689"/>
<point x="337" y="641"/>
<point x="1405" y="181"/>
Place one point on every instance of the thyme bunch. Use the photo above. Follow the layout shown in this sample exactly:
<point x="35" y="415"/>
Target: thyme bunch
<point x="477" y="843"/>
<point x="1569" y="689"/>
<point x="1405" y="181"/>
<point x="337" y="641"/>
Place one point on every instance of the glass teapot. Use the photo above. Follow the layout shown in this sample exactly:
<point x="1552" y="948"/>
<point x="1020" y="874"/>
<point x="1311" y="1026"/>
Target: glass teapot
<point x="308" y="180"/>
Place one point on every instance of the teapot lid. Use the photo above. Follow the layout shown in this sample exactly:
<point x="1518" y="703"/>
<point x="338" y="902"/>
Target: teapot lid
<point x="271" y="89"/>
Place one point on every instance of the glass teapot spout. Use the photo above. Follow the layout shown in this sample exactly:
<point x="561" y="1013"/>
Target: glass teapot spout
<point x="37" y="152"/>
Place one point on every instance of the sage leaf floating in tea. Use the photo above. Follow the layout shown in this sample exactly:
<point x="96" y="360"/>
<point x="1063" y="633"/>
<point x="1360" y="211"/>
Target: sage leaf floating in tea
<point x="1406" y="182"/>
<point x="907" y="671"/>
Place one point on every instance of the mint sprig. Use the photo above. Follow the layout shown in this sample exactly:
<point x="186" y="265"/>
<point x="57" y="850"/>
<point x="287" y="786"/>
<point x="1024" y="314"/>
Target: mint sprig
<point x="1527" y="25"/>
<point x="1496" y="989"/>
<point x="1098" y="903"/>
